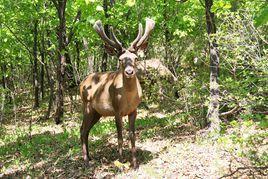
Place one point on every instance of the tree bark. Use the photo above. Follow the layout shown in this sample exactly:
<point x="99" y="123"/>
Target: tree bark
<point x="106" y="29"/>
<point x="3" y="68"/>
<point x="166" y="34"/>
<point x="35" y="67"/>
<point x="51" y="92"/>
<point x="42" y="71"/>
<point x="89" y="58"/>
<point x="213" y="109"/>
<point x="61" y="53"/>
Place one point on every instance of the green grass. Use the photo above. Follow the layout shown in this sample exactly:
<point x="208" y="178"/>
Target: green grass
<point x="51" y="144"/>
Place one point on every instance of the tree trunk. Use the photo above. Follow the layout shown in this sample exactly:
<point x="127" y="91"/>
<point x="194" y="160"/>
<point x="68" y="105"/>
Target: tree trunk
<point x="42" y="72"/>
<point x="51" y="92"/>
<point x="106" y="29"/>
<point x="3" y="68"/>
<point x="35" y="67"/>
<point x="213" y="109"/>
<point x="61" y="53"/>
<point x="166" y="34"/>
<point x="89" y="58"/>
<point x="78" y="60"/>
<point x="70" y="72"/>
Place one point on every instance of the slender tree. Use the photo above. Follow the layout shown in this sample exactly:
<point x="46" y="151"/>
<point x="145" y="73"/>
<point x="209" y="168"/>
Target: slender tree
<point x="35" y="66"/>
<point x="213" y="109"/>
<point x="61" y="53"/>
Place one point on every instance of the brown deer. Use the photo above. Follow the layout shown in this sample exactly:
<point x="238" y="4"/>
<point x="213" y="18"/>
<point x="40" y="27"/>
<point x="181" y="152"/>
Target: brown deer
<point x="114" y="93"/>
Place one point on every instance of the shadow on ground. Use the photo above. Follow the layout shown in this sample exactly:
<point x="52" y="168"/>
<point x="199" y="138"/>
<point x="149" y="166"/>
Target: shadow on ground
<point x="59" y="155"/>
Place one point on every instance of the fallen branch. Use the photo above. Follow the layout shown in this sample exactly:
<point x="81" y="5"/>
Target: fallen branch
<point x="232" y="111"/>
<point x="244" y="168"/>
<point x="260" y="112"/>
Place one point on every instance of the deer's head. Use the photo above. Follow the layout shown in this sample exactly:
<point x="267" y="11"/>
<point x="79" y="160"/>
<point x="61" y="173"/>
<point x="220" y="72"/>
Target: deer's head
<point x="127" y="56"/>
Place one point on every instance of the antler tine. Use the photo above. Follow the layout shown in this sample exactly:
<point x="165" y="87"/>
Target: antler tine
<point x="148" y="28"/>
<point x="134" y="43"/>
<point x="117" y="42"/>
<point x="99" y="29"/>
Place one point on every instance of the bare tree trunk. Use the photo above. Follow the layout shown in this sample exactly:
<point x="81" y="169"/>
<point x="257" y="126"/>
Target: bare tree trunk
<point x="2" y="107"/>
<point x="35" y="67"/>
<point x="61" y="33"/>
<point x="213" y="109"/>
<point x="166" y="34"/>
<point x="106" y="29"/>
<point x="77" y="48"/>
<point x="3" y="68"/>
<point x="89" y="58"/>
<point x="51" y="92"/>
<point x="78" y="60"/>
<point x="42" y="72"/>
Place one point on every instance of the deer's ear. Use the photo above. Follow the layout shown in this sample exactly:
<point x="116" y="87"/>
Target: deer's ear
<point x="143" y="47"/>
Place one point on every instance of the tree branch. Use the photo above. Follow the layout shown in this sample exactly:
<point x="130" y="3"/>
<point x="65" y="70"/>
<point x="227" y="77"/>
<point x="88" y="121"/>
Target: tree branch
<point x="70" y="36"/>
<point x="55" y="4"/>
<point x="18" y="39"/>
<point x="232" y="111"/>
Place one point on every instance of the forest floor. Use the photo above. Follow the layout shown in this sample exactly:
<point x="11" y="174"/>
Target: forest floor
<point x="166" y="148"/>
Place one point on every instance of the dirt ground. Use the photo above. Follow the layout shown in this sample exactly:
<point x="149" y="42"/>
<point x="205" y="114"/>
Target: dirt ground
<point x="173" y="151"/>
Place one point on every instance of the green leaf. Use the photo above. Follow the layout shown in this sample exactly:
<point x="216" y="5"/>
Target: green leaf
<point x="130" y="3"/>
<point x="99" y="8"/>
<point x="262" y="18"/>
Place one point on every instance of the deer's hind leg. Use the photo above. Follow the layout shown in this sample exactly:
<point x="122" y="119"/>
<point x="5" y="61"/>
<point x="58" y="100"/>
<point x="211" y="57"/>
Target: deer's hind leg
<point x="90" y="118"/>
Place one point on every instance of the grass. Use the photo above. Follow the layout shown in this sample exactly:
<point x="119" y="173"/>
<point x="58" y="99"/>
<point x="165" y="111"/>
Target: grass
<point x="54" y="150"/>
<point x="32" y="152"/>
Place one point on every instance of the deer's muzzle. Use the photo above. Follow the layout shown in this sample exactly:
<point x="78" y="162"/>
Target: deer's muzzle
<point x="129" y="71"/>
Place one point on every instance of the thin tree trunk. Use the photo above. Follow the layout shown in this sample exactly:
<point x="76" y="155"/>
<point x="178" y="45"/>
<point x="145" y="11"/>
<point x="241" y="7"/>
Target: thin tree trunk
<point x="89" y="58"/>
<point x="213" y="109"/>
<point x="2" y="107"/>
<point x="51" y="92"/>
<point x="77" y="48"/>
<point x="106" y="29"/>
<point x="3" y="67"/>
<point x="61" y="33"/>
<point x="69" y="69"/>
<point x="35" y="67"/>
<point x="166" y="34"/>
<point x="42" y="72"/>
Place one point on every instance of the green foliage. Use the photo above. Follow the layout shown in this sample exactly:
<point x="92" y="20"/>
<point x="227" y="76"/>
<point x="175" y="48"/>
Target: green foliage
<point x="262" y="18"/>
<point x="246" y="140"/>
<point x="179" y="40"/>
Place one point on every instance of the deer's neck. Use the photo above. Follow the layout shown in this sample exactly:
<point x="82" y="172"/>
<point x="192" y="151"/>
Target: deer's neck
<point x="130" y="84"/>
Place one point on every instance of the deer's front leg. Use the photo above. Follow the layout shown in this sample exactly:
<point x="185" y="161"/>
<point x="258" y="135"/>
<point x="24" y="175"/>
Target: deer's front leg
<point x="118" y="120"/>
<point x="131" y="119"/>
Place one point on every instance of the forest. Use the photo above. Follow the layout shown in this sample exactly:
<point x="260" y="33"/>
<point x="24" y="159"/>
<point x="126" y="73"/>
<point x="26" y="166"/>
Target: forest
<point x="201" y="66"/>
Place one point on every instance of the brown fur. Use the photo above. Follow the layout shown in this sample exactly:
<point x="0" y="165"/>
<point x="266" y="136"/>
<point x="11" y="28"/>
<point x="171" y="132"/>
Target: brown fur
<point x="111" y="93"/>
<point x="114" y="93"/>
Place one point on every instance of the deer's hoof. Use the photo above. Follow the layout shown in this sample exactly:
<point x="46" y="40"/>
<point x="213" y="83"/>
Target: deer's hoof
<point x="135" y="165"/>
<point x="88" y="163"/>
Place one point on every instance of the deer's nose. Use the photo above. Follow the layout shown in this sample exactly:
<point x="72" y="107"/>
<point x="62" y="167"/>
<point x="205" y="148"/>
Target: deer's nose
<point x="129" y="71"/>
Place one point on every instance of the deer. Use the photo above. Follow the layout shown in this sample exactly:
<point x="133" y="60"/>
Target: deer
<point x="116" y="93"/>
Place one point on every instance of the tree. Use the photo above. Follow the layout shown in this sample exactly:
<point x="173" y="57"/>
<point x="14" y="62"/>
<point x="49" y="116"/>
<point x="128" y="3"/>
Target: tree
<point x="35" y="66"/>
<point x="213" y="109"/>
<point x="61" y="53"/>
